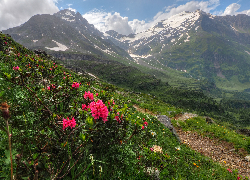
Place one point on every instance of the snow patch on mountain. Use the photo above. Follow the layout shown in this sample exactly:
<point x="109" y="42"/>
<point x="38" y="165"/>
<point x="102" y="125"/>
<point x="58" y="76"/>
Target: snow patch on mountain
<point x="60" y="47"/>
<point x="233" y="28"/>
<point x="68" y="13"/>
<point x="172" y="27"/>
<point x="247" y="52"/>
<point x="68" y="19"/>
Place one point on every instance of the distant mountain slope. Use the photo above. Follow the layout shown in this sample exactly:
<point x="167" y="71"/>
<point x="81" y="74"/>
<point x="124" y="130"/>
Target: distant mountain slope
<point x="201" y="45"/>
<point x="65" y="31"/>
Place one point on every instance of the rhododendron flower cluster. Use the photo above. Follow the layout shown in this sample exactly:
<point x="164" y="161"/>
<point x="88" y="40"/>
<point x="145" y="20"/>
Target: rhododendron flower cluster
<point x="88" y="95"/>
<point x="75" y="85"/>
<point x="118" y="119"/>
<point x="16" y="68"/>
<point x="98" y="109"/>
<point x="67" y="122"/>
<point x="84" y="107"/>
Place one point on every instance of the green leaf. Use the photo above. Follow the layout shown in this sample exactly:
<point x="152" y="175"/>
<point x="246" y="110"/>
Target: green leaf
<point x="83" y="137"/>
<point x="90" y="121"/>
<point x="25" y="178"/>
<point x="35" y="156"/>
<point x="2" y="93"/>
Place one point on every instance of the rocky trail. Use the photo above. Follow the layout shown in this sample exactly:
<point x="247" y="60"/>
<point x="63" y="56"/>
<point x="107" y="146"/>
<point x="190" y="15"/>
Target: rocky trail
<point x="218" y="150"/>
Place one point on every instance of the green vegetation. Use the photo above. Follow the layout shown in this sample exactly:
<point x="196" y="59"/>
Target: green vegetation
<point x="54" y="135"/>
<point x="133" y="79"/>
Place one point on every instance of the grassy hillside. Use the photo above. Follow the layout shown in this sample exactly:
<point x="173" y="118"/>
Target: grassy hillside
<point x="57" y="124"/>
<point x="133" y="79"/>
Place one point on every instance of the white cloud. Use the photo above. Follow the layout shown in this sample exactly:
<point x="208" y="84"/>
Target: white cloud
<point x="106" y="21"/>
<point x="206" y="6"/>
<point x="97" y="18"/>
<point x="15" y="12"/>
<point x="232" y="10"/>
<point x="118" y="23"/>
<point x="138" y="26"/>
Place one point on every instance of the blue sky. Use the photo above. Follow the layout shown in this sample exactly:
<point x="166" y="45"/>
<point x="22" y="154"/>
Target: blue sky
<point x="142" y="9"/>
<point x="123" y="16"/>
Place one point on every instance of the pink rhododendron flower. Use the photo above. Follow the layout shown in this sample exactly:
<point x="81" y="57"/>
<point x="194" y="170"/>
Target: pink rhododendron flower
<point x="16" y="68"/>
<point x="67" y="122"/>
<point x="145" y="123"/>
<point x="238" y="178"/>
<point x="64" y="77"/>
<point x="5" y="42"/>
<point x="88" y="95"/>
<point x="99" y="110"/>
<point x="84" y="107"/>
<point x="142" y="127"/>
<point x="48" y="87"/>
<point x="96" y="94"/>
<point x="151" y="149"/>
<point x="229" y="170"/>
<point x="72" y="123"/>
<point x="118" y="119"/>
<point x="75" y="85"/>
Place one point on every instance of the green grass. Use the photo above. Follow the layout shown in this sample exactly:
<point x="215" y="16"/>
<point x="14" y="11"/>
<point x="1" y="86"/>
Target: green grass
<point x="232" y="85"/>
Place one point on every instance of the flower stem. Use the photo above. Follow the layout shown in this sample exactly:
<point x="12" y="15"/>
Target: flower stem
<point x="9" y="137"/>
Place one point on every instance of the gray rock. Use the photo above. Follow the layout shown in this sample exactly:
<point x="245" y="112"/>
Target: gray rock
<point x="209" y="120"/>
<point x="247" y="158"/>
<point x="166" y="121"/>
<point x="244" y="131"/>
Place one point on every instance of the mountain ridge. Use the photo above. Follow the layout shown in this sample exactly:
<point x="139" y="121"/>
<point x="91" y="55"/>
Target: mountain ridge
<point x="190" y="41"/>
<point x="65" y="31"/>
<point x="188" y="47"/>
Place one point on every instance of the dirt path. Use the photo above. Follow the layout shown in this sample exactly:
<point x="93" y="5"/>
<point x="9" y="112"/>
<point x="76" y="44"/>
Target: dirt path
<point x="218" y="150"/>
